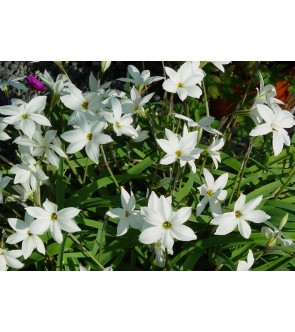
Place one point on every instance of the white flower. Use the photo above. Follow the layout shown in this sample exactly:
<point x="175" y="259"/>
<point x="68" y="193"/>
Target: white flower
<point x="183" y="82"/>
<point x="14" y="82"/>
<point x="87" y="103"/>
<point x="127" y="215"/>
<point x="181" y="148"/>
<point x="245" y="266"/>
<point x="276" y="235"/>
<point x="275" y="122"/>
<point x="243" y="212"/>
<point x="121" y="125"/>
<point x="213" y="149"/>
<point x="58" y="87"/>
<point x="23" y="116"/>
<point x="8" y="258"/>
<point x="139" y="79"/>
<point x="25" y="192"/>
<point x="50" y="218"/>
<point x="163" y="224"/>
<point x="30" y="239"/>
<point x="43" y="146"/>
<point x="88" y="135"/>
<point x="3" y="135"/>
<point x="136" y="104"/>
<point x="3" y="183"/>
<point x="28" y="172"/>
<point x="141" y="135"/>
<point x="204" y="123"/>
<point x="213" y="192"/>
<point x="220" y="64"/>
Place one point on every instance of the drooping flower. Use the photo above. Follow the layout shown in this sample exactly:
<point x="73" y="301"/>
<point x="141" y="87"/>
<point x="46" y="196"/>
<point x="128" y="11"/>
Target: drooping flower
<point x="25" y="116"/>
<point x="213" y="149"/>
<point x="275" y="121"/>
<point x="23" y="233"/>
<point x="58" y="86"/>
<point x="213" y="193"/>
<point x="276" y="236"/>
<point x="3" y="135"/>
<point x="163" y="224"/>
<point x="141" y="135"/>
<point x="245" y="266"/>
<point x="50" y="218"/>
<point x="3" y="183"/>
<point x="9" y="258"/>
<point x="220" y="64"/>
<point x="127" y="215"/>
<point x="35" y="84"/>
<point x="243" y="212"/>
<point x="88" y="135"/>
<point x="160" y="253"/>
<point x="183" y="82"/>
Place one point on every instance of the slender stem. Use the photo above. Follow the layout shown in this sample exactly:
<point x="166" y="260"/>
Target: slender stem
<point x="75" y="172"/>
<point x="85" y="172"/>
<point x="102" y="237"/>
<point x="292" y="174"/>
<point x="61" y="254"/>
<point x="61" y="67"/>
<point x="108" y="168"/>
<point x="205" y="98"/>
<point x="241" y="171"/>
<point x="87" y="253"/>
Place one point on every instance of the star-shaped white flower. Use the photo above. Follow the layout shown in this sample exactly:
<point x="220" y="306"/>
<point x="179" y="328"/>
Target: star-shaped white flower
<point x="275" y="121"/>
<point x="9" y="258"/>
<point x="127" y="215"/>
<point x="28" y="172"/>
<point x="136" y="103"/>
<point x="139" y="79"/>
<point x="3" y="183"/>
<point x="49" y="218"/>
<point x="163" y="224"/>
<point x="243" y="212"/>
<point x="179" y="148"/>
<point x="46" y="146"/>
<point x="88" y="135"/>
<point x="213" y="193"/>
<point x="58" y="86"/>
<point x="121" y="124"/>
<point x="23" y="233"/>
<point x="245" y="266"/>
<point x="183" y="82"/>
<point x="25" y="116"/>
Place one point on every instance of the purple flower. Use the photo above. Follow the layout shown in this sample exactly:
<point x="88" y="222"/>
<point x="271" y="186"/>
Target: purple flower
<point x="35" y="84"/>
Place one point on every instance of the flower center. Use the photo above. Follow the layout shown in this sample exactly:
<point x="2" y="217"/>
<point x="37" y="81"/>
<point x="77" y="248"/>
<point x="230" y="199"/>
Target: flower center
<point x="127" y="214"/>
<point x="29" y="233"/>
<point x="89" y="137"/>
<point x="136" y="108"/>
<point x="209" y="192"/>
<point x="53" y="216"/>
<point x="25" y="116"/>
<point x="166" y="224"/>
<point x="117" y="124"/>
<point x="178" y="153"/>
<point x="85" y="105"/>
<point x="238" y="214"/>
<point x="180" y="85"/>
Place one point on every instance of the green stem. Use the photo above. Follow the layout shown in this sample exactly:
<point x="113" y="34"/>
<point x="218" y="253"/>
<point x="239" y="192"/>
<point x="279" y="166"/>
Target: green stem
<point x="239" y="177"/>
<point x="85" y="172"/>
<point x="102" y="238"/>
<point x="61" y="67"/>
<point x="205" y="98"/>
<point x="86" y="252"/>
<point x="75" y="172"/>
<point x="108" y="168"/>
<point x="61" y="254"/>
<point x="292" y="174"/>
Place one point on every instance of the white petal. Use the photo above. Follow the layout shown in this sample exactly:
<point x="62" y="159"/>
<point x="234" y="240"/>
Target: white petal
<point x="16" y="237"/>
<point x="266" y="113"/>
<point x="28" y="246"/>
<point x="262" y="129"/>
<point x="68" y="213"/>
<point x="183" y="233"/>
<point x="92" y="151"/>
<point x="28" y="127"/>
<point x="68" y="225"/>
<point x="167" y="240"/>
<point x="182" y="93"/>
<point x="151" y="235"/>
<point x="251" y="205"/>
<point x="37" y="212"/>
<point x="277" y="142"/>
<point x="201" y="206"/>
<point x="194" y="91"/>
<point x="40" y="119"/>
<point x="37" y="104"/>
<point x="40" y="226"/>
<point x="240" y="202"/>
<point x="181" y="216"/>
<point x="56" y="232"/>
<point x="122" y="227"/>
<point x="257" y="216"/>
<point x="244" y="228"/>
